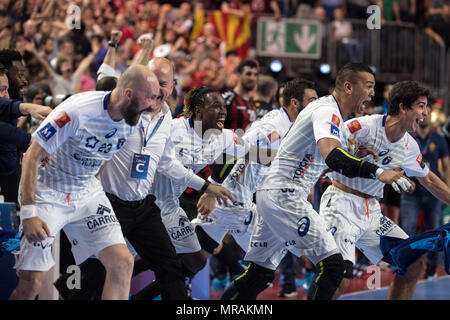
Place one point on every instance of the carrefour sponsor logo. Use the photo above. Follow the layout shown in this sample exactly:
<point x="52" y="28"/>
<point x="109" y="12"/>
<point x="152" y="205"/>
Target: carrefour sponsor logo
<point x="385" y="226"/>
<point x="303" y="167"/>
<point x="98" y="222"/>
<point x="183" y="230"/>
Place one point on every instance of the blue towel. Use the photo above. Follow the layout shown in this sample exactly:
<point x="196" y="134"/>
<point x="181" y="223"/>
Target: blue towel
<point x="401" y="253"/>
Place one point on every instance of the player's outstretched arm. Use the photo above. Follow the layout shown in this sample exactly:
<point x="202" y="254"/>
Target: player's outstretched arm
<point x="436" y="186"/>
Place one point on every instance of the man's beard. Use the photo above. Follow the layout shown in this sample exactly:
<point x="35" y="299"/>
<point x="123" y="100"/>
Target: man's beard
<point x="129" y="114"/>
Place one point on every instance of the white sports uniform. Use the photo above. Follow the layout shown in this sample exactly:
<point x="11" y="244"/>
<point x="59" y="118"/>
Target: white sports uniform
<point x="358" y="221"/>
<point x="286" y="220"/>
<point x="195" y="153"/>
<point x="242" y="182"/>
<point x="79" y="135"/>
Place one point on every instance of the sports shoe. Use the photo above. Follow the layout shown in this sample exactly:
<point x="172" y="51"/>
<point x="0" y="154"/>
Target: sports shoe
<point x="220" y="284"/>
<point x="288" y="290"/>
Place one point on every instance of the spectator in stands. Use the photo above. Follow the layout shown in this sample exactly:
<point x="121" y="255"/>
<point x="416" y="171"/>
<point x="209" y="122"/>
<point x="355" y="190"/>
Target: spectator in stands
<point x="345" y="39"/>
<point x="266" y="89"/>
<point x="439" y="26"/>
<point x="240" y="108"/>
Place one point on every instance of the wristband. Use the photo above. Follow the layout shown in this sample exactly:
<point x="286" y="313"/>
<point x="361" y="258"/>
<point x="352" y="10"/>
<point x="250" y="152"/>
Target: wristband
<point x="205" y="186"/>
<point x="379" y="172"/>
<point x="28" y="211"/>
<point x="110" y="44"/>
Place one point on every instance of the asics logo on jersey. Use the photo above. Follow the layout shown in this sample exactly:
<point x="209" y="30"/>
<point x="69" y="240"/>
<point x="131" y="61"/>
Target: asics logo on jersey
<point x="303" y="226"/>
<point x="303" y="166"/>
<point x="110" y="134"/>
<point x="386" y="160"/>
<point x="249" y="218"/>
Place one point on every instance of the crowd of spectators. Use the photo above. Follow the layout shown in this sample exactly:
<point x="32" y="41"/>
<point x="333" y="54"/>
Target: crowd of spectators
<point x="62" y="44"/>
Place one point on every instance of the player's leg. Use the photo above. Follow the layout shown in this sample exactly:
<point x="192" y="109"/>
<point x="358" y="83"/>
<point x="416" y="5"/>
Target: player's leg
<point x="432" y="209"/>
<point x="30" y="282"/>
<point x="118" y="263"/>
<point x="33" y="260"/>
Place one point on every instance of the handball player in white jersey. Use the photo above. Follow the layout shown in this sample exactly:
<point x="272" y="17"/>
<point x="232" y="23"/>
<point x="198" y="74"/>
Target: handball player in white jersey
<point x="199" y="139"/>
<point x="350" y="207"/>
<point x="286" y="220"/>
<point x="59" y="189"/>
<point x="245" y="176"/>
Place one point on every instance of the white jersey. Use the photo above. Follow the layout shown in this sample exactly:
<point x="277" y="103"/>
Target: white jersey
<point x="195" y="153"/>
<point x="245" y="176"/>
<point x="298" y="163"/>
<point x="80" y="135"/>
<point x="404" y="153"/>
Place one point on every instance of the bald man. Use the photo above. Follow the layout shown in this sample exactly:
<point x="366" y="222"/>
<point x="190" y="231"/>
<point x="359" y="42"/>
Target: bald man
<point x="59" y="189"/>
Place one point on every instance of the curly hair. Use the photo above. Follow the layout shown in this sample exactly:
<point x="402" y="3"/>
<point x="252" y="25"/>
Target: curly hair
<point x="7" y="56"/>
<point x="195" y="98"/>
<point x="405" y="92"/>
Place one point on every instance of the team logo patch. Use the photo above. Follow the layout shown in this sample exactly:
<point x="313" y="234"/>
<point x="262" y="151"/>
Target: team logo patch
<point x="91" y="142"/>
<point x="334" y="130"/>
<point x="354" y="126"/>
<point x="273" y="136"/>
<point x="62" y="119"/>
<point x="47" y="132"/>
<point x="335" y="120"/>
<point x="237" y="139"/>
<point x="419" y="160"/>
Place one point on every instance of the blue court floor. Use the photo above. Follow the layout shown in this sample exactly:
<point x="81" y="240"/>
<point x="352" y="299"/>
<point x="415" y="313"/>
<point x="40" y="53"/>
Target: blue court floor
<point x="434" y="289"/>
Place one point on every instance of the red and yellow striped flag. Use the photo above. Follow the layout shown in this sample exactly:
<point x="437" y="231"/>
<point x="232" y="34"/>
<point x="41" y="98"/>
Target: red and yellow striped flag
<point x="230" y="28"/>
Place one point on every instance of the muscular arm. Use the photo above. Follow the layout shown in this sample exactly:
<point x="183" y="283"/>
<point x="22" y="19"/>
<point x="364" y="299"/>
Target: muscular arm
<point x="30" y="164"/>
<point x="436" y="186"/>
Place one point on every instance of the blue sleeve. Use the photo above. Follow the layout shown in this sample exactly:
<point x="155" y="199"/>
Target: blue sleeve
<point x="9" y="109"/>
<point x="13" y="135"/>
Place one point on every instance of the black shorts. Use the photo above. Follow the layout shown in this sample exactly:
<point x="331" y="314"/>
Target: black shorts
<point x="390" y="196"/>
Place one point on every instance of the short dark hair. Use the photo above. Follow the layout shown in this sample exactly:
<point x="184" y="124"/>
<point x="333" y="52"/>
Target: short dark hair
<point x="106" y="84"/>
<point x="195" y="98"/>
<point x="295" y="89"/>
<point x="405" y="92"/>
<point x="247" y="63"/>
<point x="350" y="73"/>
<point x="7" y="56"/>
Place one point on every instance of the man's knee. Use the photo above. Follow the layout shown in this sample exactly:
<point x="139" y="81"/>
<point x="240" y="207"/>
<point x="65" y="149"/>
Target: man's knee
<point x="30" y="282"/>
<point x="117" y="260"/>
<point x="330" y="272"/>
